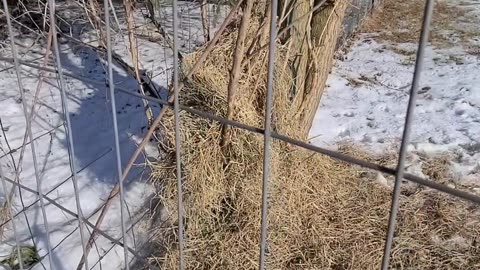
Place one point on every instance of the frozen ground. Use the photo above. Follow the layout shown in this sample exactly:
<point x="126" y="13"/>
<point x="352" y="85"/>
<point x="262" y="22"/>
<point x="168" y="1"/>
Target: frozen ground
<point x="90" y="112"/>
<point x="367" y="95"/>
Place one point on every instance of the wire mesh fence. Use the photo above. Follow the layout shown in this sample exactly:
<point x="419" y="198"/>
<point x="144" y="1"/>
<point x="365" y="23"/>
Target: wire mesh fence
<point x="88" y="230"/>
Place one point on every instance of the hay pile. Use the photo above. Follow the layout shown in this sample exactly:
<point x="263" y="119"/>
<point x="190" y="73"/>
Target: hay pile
<point x="323" y="214"/>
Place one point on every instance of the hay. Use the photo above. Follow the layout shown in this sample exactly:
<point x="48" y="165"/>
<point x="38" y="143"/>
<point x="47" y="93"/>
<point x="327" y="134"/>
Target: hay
<point x="4" y="214"/>
<point x="322" y="214"/>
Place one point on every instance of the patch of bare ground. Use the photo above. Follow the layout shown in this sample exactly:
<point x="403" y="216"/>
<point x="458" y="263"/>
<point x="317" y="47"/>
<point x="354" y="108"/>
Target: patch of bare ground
<point x="454" y="23"/>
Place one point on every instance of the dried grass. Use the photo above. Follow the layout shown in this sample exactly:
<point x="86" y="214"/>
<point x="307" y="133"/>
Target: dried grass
<point x="323" y="214"/>
<point x="400" y="22"/>
<point x="4" y="215"/>
<point x="438" y="168"/>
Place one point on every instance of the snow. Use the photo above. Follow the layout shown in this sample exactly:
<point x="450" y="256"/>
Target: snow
<point x="94" y="154"/>
<point x="92" y="129"/>
<point x="372" y="84"/>
<point x="365" y="103"/>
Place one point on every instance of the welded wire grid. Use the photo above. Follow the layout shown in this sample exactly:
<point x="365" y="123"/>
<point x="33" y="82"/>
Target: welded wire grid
<point x="173" y="102"/>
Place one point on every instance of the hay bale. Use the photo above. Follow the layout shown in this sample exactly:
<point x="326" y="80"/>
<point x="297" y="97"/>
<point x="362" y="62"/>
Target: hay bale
<point x="322" y="215"/>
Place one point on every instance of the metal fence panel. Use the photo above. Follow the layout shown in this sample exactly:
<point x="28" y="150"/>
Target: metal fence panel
<point x="173" y="102"/>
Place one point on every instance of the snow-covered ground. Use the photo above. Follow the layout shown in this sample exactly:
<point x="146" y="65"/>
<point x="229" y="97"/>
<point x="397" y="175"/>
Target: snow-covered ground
<point x="366" y="99"/>
<point x="90" y="112"/>
<point x="365" y="103"/>
<point x="92" y="129"/>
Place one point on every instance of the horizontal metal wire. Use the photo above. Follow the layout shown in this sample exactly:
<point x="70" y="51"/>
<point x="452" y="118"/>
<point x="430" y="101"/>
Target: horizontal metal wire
<point x="333" y="154"/>
<point x="330" y="153"/>
<point x="266" y="132"/>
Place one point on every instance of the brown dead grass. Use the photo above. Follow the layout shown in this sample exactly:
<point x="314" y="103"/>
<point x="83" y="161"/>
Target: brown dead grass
<point x="438" y="168"/>
<point x="3" y="214"/>
<point x="400" y="22"/>
<point x="323" y="214"/>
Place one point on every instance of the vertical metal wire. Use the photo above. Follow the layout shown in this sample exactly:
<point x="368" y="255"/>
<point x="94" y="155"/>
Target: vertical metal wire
<point x="10" y="214"/>
<point x="427" y="16"/>
<point x="115" y="130"/>
<point x="178" y="158"/>
<point x="29" y="132"/>
<point x="68" y="129"/>
<point x="267" y="134"/>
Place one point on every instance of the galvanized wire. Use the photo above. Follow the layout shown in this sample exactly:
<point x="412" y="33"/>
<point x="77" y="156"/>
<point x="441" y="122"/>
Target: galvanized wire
<point x="106" y="252"/>
<point x="427" y="16"/>
<point x="29" y="129"/>
<point x="178" y="158"/>
<point x="48" y="132"/>
<point x="268" y="129"/>
<point x="55" y="247"/>
<point x="337" y="155"/>
<point x="54" y="188"/>
<point x="12" y="218"/>
<point x="399" y="172"/>
<point x="333" y="154"/>
<point x="68" y="129"/>
<point x="157" y="120"/>
<point x="118" y="242"/>
<point x="115" y="132"/>
<point x="131" y="227"/>
<point x="73" y="214"/>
